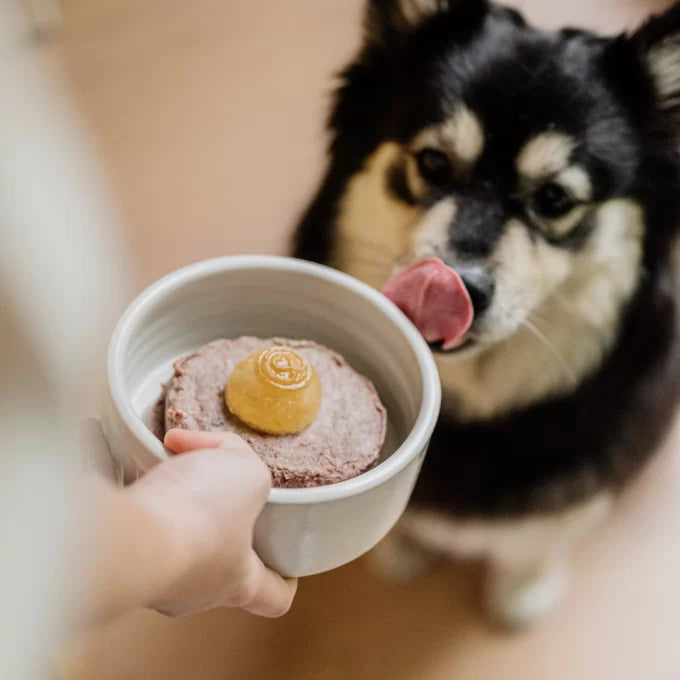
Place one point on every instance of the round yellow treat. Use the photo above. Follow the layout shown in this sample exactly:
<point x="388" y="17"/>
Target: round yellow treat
<point x="274" y="390"/>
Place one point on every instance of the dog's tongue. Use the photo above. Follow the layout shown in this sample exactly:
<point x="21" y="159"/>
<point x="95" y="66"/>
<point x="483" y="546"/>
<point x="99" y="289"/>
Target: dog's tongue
<point x="435" y="299"/>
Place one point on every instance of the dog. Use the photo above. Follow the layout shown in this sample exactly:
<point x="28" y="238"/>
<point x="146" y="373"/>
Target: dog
<point x="543" y="168"/>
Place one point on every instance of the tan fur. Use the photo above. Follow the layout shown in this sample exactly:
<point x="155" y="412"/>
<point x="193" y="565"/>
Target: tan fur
<point x="553" y="316"/>
<point x="573" y="325"/>
<point x="464" y="133"/>
<point x="563" y="225"/>
<point x="664" y="65"/>
<point x="373" y="228"/>
<point x="527" y="558"/>
<point x="432" y="230"/>
<point x="508" y="542"/>
<point x="461" y="136"/>
<point x="554" y="313"/>
<point x="415" y="11"/>
<point x="575" y="179"/>
<point x="416" y="183"/>
<point x="544" y="155"/>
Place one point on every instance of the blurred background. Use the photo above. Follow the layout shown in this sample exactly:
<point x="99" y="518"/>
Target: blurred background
<point x="207" y="118"/>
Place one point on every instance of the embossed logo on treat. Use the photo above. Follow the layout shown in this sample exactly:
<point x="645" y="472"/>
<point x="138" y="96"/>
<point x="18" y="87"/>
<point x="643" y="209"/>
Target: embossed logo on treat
<point x="274" y="390"/>
<point x="284" y="368"/>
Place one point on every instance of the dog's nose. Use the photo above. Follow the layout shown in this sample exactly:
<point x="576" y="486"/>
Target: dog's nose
<point x="480" y="286"/>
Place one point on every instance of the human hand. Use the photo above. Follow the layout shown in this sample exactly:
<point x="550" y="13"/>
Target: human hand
<point x="207" y="501"/>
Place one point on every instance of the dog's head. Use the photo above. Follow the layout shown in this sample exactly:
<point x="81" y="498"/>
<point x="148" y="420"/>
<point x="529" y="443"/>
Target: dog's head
<point x="531" y="162"/>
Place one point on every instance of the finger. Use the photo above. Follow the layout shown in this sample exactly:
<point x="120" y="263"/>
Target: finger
<point x="186" y="441"/>
<point x="226" y="481"/>
<point x="183" y="441"/>
<point x="272" y="595"/>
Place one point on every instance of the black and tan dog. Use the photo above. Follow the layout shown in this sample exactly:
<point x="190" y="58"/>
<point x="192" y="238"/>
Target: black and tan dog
<point x="542" y="167"/>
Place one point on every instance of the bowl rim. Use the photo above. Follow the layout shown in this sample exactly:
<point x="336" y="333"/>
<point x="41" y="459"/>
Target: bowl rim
<point x="414" y="443"/>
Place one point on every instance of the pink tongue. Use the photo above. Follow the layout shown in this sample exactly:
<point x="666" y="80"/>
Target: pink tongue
<point x="434" y="298"/>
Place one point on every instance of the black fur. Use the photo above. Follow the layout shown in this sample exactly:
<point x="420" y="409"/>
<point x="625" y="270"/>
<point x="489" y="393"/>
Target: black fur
<point x="522" y="81"/>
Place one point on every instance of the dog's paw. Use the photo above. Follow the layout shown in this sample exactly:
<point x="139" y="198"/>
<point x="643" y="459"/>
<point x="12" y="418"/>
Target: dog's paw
<point x="396" y="561"/>
<point x="518" y="598"/>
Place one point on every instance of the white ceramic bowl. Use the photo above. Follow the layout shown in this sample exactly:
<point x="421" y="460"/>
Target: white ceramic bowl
<point x="300" y="531"/>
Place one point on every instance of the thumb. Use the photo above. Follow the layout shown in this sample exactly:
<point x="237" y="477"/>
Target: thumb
<point x="241" y="470"/>
<point x="183" y="441"/>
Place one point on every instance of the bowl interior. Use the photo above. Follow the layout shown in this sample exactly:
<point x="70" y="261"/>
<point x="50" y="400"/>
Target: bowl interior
<point x="186" y="311"/>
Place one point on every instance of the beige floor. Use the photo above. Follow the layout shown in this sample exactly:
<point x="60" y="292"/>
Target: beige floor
<point x="208" y="116"/>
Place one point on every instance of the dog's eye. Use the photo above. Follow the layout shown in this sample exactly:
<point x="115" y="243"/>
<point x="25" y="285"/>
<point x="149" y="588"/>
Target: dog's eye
<point x="553" y="201"/>
<point x="434" y="166"/>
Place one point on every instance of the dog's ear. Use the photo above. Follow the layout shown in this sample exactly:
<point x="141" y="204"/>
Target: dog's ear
<point x="658" y="44"/>
<point x="386" y="22"/>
